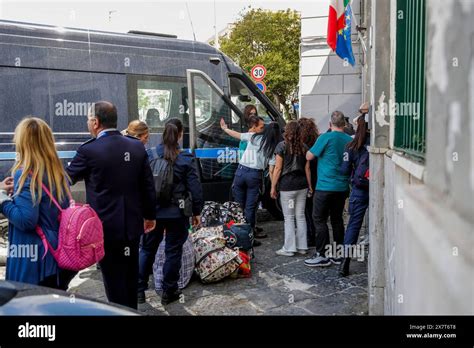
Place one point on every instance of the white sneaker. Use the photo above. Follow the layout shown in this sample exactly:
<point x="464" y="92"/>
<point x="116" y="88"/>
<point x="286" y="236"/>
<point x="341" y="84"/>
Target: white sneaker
<point x="302" y="251"/>
<point x="317" y="261"/>
<point x="282" y="252"/>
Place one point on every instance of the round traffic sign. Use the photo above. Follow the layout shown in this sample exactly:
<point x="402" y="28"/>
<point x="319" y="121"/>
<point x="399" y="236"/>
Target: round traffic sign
<point x="261" y="86"/>
<point x="258" y="72"/>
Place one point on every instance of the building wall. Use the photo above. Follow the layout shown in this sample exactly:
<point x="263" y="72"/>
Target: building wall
<point x="428" y="249"/>
<point x="422" y="239"/>
<point x="326" y="84"/>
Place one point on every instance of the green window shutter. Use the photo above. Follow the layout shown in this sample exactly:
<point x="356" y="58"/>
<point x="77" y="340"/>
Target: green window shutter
<point x="410" y="86"/>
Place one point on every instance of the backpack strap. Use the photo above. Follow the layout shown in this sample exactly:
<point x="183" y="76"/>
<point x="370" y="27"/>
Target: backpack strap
<point x="47" y="246"/>
<point x="71" y="200"/>
<point x="52" y="197"/>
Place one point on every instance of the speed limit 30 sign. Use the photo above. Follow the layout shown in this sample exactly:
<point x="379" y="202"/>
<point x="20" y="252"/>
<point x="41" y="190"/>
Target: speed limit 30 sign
<point x="258" y="72"/>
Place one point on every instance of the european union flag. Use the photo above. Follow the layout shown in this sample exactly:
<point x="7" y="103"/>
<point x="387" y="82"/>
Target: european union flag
<point x="344" y="43"/>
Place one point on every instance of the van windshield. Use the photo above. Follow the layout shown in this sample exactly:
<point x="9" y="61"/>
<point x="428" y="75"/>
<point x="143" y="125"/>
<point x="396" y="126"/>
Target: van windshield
<point x="242" y="96"/>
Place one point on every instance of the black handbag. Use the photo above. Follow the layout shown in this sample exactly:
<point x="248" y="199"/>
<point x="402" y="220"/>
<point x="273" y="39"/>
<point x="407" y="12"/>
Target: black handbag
<point x="239" y="236"/>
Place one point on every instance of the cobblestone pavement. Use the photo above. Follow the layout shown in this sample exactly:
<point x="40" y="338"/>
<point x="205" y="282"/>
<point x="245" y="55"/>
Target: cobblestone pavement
<point x="279" y="285"/>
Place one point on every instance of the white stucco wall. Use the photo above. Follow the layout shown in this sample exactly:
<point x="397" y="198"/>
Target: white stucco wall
<point x="428" y="250"/>
<point x="425" y="263"/>
<point x="326" y="84"/>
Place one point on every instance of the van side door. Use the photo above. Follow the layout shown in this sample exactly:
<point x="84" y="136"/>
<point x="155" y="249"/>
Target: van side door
<point x="216" y="152"/>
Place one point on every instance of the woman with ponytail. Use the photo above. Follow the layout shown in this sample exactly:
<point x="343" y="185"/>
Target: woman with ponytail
<point x="139" y="130"/>
<point x="171" y="218"/>
<point x="259" y="154"/>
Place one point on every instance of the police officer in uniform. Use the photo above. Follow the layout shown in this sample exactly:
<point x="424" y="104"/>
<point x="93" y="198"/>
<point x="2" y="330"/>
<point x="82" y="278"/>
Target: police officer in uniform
<point x="119" y="187"/>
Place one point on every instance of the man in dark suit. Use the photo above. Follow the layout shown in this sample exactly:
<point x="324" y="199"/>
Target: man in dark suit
<point x="120" y="188"/>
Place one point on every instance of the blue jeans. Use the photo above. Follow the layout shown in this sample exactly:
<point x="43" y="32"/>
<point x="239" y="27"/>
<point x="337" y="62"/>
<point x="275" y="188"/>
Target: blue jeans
<point x="246" y="190"/>
<point x="358" y="203"/>
<point x="176" y="235"/>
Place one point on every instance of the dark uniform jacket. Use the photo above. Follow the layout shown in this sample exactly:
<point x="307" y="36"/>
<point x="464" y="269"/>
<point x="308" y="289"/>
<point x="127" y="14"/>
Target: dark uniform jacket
<point x="119" y="183"/>
<point x="185" y="181"/>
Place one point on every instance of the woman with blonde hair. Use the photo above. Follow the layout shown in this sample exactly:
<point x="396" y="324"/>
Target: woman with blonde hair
<point x="139" y="130"/>
<point x="37" y="164"/>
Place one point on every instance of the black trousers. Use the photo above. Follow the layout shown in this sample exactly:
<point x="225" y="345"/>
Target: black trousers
<point x="60" y="280"/>
<point x="311" y="231"/>
<point x="120" y="272"/>
<point x="328" y="204"/>
<point x="176" y="235"/>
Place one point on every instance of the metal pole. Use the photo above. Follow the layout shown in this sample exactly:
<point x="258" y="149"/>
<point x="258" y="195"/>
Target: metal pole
<point x="216" y="37"/>
<point x="358" y="32"/>
<point x="191" y="21"/>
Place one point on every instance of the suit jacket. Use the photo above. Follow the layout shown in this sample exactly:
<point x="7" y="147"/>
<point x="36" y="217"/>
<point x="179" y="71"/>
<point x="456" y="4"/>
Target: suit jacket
<point x="119" y="183"/>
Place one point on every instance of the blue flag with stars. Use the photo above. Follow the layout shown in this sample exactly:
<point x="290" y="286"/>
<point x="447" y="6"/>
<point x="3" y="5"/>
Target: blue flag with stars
<point x="344" y="43"/>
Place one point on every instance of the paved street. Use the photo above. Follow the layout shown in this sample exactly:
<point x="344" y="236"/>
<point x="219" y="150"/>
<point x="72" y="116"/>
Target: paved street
<point x="279" y="286"/>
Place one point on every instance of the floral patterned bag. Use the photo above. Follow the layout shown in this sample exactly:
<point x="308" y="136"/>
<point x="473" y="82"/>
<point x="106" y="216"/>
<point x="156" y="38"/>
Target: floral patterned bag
<point x="214" y="214"/>
<point x="214" y="261"/>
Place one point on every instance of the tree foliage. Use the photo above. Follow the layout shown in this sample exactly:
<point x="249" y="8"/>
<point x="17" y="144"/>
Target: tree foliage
<point x="270" y="38"/>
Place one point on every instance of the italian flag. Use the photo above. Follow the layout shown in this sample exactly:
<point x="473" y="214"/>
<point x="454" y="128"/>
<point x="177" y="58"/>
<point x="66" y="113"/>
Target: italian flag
<point x="336" y="20"/>
<point x="339" y="29"/>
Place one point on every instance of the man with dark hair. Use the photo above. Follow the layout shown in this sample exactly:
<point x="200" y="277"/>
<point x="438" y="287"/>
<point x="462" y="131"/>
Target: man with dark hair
<point x="120" y="188"/>
<point x="106" y="113"/>
<point x="332" y="189"/>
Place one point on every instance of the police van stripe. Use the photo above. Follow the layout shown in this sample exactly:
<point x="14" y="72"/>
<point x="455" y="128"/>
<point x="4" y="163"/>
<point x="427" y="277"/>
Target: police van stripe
<point x="204" y="153"/>
<point x="10" y="156"/>
<point x="218" y="152"/>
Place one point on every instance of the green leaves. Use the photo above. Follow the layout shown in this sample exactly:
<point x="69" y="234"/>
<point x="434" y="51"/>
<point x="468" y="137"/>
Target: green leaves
<point x="272" y="39"/>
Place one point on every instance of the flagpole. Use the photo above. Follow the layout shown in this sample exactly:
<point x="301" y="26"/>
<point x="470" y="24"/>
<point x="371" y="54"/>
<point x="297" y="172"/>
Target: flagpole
<point x="358" y="32"/>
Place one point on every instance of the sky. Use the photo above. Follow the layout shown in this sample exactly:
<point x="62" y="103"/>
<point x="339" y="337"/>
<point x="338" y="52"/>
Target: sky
<point x="168" y="17"/>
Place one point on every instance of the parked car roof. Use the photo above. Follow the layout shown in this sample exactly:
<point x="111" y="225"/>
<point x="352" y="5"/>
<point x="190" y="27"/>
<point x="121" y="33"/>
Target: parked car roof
<point x="26" y="299"/>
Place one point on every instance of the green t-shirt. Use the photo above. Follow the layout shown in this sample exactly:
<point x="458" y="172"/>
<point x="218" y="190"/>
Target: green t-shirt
<point x="329" y="148"/>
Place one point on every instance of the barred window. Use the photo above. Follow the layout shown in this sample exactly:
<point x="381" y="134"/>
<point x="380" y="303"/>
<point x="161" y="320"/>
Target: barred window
<point x="410" y="86"/>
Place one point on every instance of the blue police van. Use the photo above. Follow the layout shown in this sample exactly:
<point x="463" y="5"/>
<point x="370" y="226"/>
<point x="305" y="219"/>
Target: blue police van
<point x="56" y="73"/>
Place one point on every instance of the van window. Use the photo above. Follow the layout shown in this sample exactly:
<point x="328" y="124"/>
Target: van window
<point x="216" y="151"/>
<point x="61" y="98"/>
<point x="156" y="99"/>
<point x="242" y="96"/>
<point x="22" y="92"/>
<point x="153" y="103"/>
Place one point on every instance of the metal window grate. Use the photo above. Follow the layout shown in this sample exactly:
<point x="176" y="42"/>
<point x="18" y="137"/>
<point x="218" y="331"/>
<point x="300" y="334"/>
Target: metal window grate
<point x="410" y="86"/>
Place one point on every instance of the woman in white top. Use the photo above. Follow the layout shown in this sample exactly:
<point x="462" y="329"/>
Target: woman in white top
<point x="260" y="153"/>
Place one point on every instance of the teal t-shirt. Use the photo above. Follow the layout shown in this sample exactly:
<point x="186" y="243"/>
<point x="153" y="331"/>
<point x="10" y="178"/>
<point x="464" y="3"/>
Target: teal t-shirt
<point x="242" y="148"/>
<point x="329" y="148"/>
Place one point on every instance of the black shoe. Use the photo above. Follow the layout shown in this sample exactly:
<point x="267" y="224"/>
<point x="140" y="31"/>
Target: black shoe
<point x="256" y="243"/>
<point x="344" y="268"/>
<point x="336" y="260"/>
<point x="259" y="234"/>
<point x="258" y="229"/>
<point x="141" y="297"/>
<point x="167" y="298"/>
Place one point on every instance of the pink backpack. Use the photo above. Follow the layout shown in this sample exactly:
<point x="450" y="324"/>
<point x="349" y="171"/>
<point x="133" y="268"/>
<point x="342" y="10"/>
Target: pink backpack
<point x="80" y="239"/>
